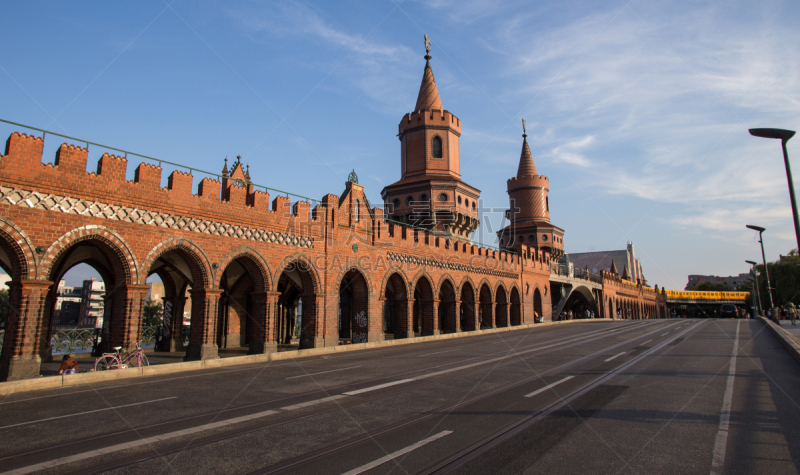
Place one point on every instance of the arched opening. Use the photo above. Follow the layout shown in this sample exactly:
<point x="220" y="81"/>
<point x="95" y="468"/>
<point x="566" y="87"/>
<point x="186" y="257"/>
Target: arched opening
<point x="296" y="307"/>
<point x="537" y="305"/>
<point x="501" y="308"/>
<point x="436" y="147"/>
<point x="423" y="307"/>
<point x="467" y="307"/>
<point x="179" y="267"/>
<point x="395" y="308"/>
<point x="108" y="307"/>
<point x="516" y="313"/>
<point x="242" y="310"/>
<point x="447" y="308"/>
<point x="485" y="309"/>
<point x="18" y="360"/>
<point x="353" y="308"/>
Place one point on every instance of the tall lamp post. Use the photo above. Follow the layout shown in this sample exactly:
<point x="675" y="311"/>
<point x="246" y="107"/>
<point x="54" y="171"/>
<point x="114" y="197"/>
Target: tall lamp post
<point x="784" y="135"/>
<point x="757" y="297"/>
<point x="764" y="258"/>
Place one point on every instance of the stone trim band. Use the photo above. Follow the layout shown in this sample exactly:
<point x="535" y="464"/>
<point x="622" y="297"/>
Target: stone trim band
<point x="96" y="209"/>
<point x="432" y="262"/>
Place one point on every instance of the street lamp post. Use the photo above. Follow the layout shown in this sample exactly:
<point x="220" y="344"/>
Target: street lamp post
<point x="756" y="296"/>
<point x="784" y="135"/>
<point x="764" y="259"/>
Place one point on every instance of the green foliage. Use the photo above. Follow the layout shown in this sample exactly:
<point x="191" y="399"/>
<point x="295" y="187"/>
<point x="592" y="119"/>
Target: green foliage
<point x="711" y="287"/>
<point x="3" y="307"/>
<point x="784" y="277"/>
<point x="153" y="313"/>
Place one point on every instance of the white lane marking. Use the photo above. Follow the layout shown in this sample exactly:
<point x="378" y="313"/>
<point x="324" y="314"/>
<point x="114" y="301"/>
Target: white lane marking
<point x="648" y="341"/>
<point x="313" y="403"/>
<point x="721" y="442"/>
<point x="400" y="452"/>
<point x="136" y="443"/>
<point x="616" y="356"/>
<point x="322" y="372"/>
<point x="438" y="352"/>
<point x="87" y="412"/>
<point x="548" y="386"/>
<point x="665" y="334"/>
<point x="380" y="386"/>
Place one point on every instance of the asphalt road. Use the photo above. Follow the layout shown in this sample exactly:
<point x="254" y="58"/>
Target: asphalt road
<point x="665" y="396"/>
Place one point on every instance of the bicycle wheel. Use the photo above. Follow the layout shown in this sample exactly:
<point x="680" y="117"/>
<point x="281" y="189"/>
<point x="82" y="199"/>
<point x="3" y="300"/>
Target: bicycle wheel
<point x="140" y="361"/>
<point x="105" y="362"/>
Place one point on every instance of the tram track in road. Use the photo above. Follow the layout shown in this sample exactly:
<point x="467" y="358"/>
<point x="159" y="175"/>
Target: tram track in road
<point x="422" y="380"/>
<point x="291" y="464"/>
<point x="454" y="462"/>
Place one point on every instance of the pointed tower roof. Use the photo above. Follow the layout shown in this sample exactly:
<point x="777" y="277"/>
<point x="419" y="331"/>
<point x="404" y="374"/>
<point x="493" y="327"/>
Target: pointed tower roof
<point x="625" y="274"/>
<point x="428" y="98"/>
<point x="614" y="268"/>
<point x="526" y="166"/>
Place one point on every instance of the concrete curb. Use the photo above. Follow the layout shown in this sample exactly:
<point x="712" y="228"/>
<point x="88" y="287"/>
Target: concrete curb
<point x="787" y="339"/>
<point x="46" y="382"/>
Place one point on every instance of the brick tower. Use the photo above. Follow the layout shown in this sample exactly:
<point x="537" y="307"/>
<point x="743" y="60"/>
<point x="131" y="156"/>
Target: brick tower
<point x="529" y="210"/>
<point x="430" y="193"/>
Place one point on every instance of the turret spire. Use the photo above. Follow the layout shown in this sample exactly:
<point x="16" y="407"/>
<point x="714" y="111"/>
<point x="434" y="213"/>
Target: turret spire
<point x="428" y="98"/>
<point x="526" y="166"/>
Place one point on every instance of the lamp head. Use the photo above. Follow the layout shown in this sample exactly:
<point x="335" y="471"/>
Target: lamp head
<point x="756" y="228"/>
<point x="752" y="263"/>
<point x="782" y="134"/>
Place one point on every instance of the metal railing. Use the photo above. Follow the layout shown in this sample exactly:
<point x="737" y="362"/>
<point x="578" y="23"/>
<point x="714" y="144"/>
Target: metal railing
<point x="584" y="274"/>
<point x="84" y="340"/>
<point x="158" y="160"/>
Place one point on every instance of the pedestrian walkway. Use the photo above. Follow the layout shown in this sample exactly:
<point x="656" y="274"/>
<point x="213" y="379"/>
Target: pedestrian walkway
<point x="86" y="360"/>
<point x="793" y="329"/>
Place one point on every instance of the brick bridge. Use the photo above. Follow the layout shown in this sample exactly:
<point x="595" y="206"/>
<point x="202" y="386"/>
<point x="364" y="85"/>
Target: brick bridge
<point x="258" y="269"/>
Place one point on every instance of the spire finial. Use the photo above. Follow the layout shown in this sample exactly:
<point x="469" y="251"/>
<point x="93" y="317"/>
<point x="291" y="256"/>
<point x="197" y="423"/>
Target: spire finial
<point x="427" y="47"/>
<point x="524" y="132"/>
<point x="225" y="168"/>
<point x="247" y="173"/>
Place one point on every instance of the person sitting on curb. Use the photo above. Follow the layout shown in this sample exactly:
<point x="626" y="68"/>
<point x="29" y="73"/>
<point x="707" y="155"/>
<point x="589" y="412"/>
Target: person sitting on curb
<point x="69" y="365"/>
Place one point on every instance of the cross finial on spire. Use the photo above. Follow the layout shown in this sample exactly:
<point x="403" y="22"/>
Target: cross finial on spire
<point x="225" y="168"/>
<point x="427" y="47"/>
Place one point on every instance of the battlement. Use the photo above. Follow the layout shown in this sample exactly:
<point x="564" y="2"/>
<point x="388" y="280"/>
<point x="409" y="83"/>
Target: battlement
<point x="526" y="181"/>
<point x="112" y="167"/>
<point x="430" y="118"/>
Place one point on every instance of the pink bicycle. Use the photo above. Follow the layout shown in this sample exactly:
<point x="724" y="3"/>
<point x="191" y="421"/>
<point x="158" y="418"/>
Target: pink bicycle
<point x="117" y="360"/>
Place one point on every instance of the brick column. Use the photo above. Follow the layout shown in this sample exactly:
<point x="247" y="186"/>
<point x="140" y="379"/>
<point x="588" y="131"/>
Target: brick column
<point x="126" y="317"/>
<point x="376" y="309"/>
<point x="405" y="320"/>
<point x="264" y="305"/>
<point x="312" y="334"/>
<point x="176" y="340"/>
<point x="20" y="358"/>
<point x="508" y="314"/>
<point x="493" y="309"/>
<point x="430" y="317"/>
<point x="202" y="341"/>
<point x="457" y="317"/>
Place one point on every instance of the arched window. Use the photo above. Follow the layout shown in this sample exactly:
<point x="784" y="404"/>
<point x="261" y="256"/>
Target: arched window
<point x="437" y="147"/>
<point x="356" y="210"/>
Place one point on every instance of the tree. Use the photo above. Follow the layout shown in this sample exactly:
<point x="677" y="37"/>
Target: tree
<point x="784" y="276"/>
<point x="153" y="313"/>
<point x="711" y="287"/>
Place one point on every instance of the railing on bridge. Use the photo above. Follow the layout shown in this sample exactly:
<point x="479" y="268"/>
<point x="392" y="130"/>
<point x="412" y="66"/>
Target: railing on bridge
<point x="84" y="340"/>
<point x="585" y="274"/>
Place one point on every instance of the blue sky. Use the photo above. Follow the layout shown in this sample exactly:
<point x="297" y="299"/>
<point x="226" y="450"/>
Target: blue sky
<point x="637" y="111"/>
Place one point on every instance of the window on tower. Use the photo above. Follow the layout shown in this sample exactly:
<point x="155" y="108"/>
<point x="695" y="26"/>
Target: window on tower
<point x="437" y="147"/>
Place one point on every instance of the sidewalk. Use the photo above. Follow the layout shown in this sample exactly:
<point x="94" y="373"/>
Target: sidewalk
<point x="793" y="329"/>
<point x="154" y="358"/>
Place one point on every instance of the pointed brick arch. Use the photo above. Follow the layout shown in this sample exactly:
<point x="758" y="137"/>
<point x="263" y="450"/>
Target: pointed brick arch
<point x="388" y="275"/>
<point x="129" y="271"/>
<point x="20" y="250"/>
<point x="200" y="264"/>
<point x="302" y="263"/>
<point x="253" y="261"/>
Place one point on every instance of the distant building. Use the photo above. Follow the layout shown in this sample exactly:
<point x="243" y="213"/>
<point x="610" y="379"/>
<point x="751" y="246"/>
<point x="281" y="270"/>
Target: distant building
<point x="731" y="281"/>
<point x="624" y="261"/>
<point x="4" y="280"/>
<point x="156" y="291"/>
<point x="68" y="304"/>
<point x="92" y="307"/>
